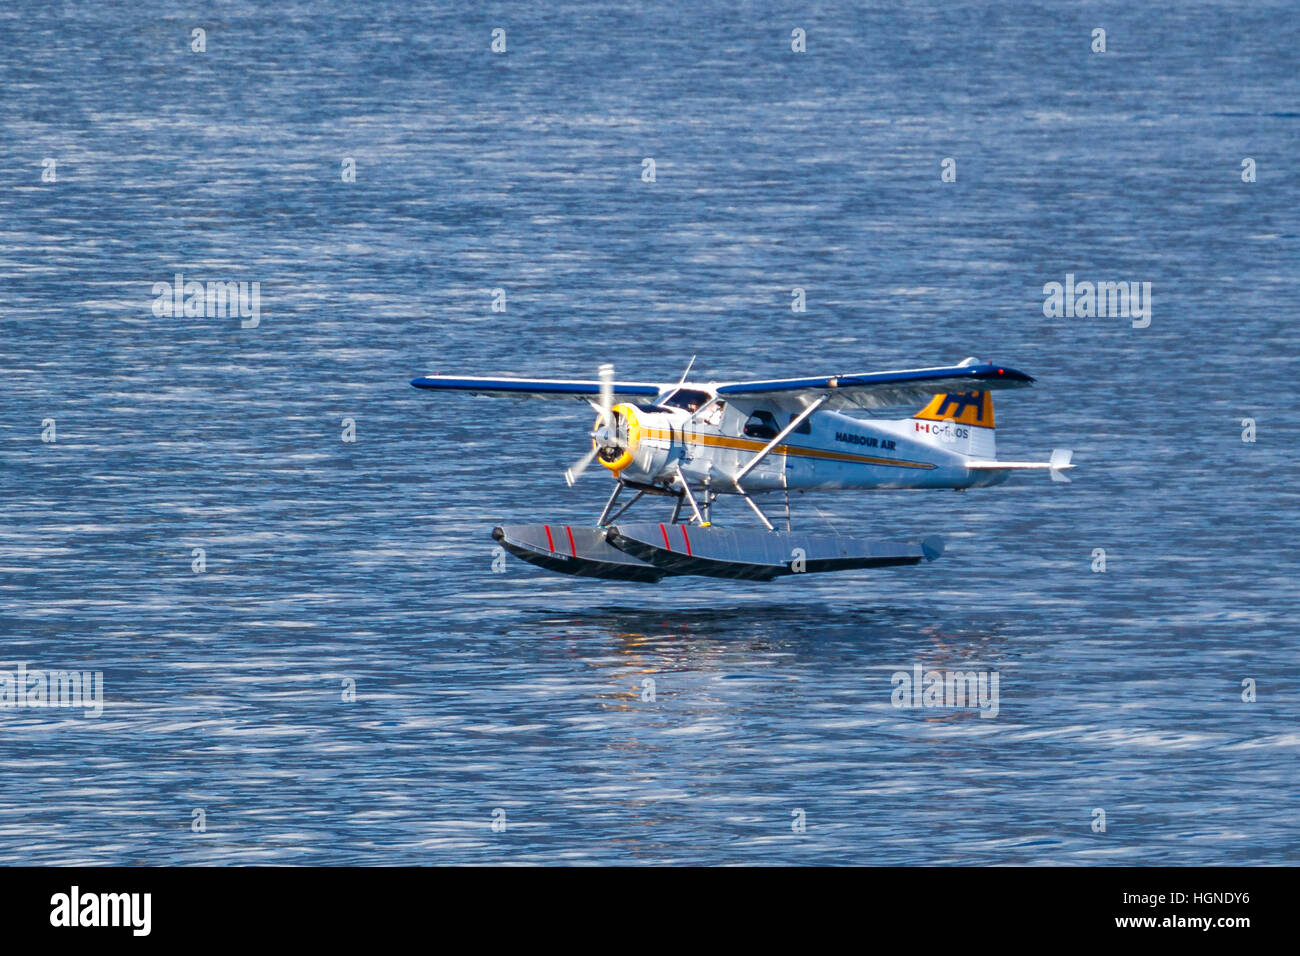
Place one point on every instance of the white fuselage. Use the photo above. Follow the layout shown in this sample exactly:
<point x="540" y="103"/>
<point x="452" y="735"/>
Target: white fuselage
<point x="712" y="445"/>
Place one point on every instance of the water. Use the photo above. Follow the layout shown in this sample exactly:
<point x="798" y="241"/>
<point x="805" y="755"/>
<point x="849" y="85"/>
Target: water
<point x="369" y="562"/>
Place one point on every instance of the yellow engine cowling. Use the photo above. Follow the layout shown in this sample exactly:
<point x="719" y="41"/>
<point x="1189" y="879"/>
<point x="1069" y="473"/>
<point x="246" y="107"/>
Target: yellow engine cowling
<point x="628" y="427"/>
<point x="644" y="443"/>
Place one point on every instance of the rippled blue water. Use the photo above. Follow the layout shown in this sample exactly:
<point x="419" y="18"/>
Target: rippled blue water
<point x="329" y="562"/>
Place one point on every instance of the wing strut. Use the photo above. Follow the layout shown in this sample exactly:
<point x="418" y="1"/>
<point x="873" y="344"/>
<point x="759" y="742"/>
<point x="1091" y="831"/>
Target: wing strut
<point x="767" y="450"/>
<point x="780" y="437"/>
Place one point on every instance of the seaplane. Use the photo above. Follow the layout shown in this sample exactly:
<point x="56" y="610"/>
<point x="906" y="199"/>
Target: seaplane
<point x="692" y="443"/>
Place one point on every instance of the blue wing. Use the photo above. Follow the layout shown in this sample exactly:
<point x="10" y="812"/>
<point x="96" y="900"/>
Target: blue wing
<point x="881" y="389"/>
<point x="534" y="387"/>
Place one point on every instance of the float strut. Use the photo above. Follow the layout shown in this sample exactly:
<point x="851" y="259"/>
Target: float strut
<point x="639" y="495"/>
<point x="686" y="491"/>
<point x="618" y="490"/>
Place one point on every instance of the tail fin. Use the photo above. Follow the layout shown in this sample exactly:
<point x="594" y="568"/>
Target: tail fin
<point x="960" y="421"/>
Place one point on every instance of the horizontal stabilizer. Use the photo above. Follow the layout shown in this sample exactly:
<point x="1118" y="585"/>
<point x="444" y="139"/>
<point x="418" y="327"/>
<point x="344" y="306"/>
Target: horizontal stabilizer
<point x="1059" y="461"/>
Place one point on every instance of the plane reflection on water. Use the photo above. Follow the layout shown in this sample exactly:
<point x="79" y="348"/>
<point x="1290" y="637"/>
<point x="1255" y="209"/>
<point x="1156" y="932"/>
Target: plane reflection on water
<point x="653" y="651"/>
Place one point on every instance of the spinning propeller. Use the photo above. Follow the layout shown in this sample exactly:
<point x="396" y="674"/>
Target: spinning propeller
<point x="609" y="437"/>
<point x="605" y="436"/>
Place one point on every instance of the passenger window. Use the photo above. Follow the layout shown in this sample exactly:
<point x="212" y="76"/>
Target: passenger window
<point x="804" y="427"/>
<point x="762" y="424"/>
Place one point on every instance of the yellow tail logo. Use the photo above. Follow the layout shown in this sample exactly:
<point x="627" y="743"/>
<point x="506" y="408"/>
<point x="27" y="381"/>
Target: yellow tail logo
<point x="964" y="408"/>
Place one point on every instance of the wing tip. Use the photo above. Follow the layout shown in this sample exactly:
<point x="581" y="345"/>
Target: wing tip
<point x="993" y="370"/>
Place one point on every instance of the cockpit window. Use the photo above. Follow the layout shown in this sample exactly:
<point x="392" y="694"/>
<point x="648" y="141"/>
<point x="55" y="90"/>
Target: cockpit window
<point x="689" y="399"/>
<point x="762" y="424"/>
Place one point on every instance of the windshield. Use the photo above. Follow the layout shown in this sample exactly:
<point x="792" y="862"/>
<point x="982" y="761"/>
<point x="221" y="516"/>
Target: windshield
<point x="688" y="398"/>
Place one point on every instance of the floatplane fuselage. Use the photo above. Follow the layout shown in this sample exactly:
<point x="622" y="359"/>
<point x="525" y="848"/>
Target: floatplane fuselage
<point x="828" y="450"/>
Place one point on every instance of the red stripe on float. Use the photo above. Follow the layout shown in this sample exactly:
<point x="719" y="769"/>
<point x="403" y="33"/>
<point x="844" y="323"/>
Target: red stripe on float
<point x="687" y="539"/>
<point x="665" y="534"/>
<point x="549" y="543"/>
<point x="572" y="547"/>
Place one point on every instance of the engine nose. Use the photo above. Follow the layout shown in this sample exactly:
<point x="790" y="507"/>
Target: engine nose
<point x="616" y="444"/>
